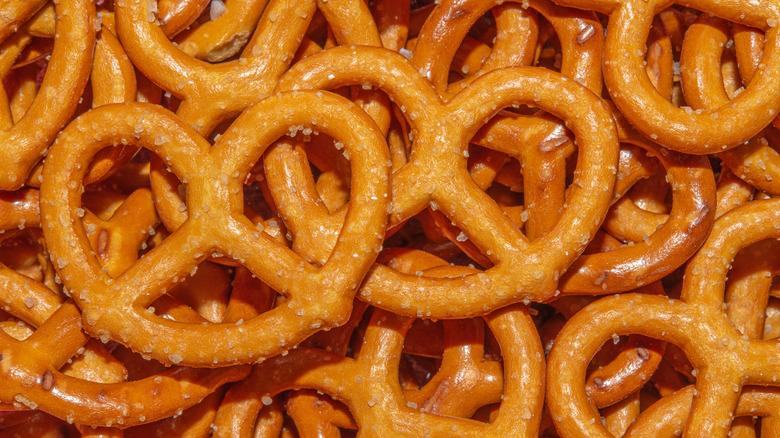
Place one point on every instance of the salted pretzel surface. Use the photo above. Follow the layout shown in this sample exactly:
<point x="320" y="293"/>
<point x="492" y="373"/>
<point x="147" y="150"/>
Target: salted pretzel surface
<point x="212" y="174"/>
<point x="294" y="218"/>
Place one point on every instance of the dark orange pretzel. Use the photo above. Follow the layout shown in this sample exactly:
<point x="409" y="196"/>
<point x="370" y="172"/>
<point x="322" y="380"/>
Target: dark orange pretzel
<point x="175" y="15"/>
<point x="216" y="224"/>
<point x="697" y="132"/>
<point x="436" y="176"/>
<point x="67" y="74"/>
<point x="723" y="360"/>
<point x="369" y="384"/>
<point x="578" y="31"/>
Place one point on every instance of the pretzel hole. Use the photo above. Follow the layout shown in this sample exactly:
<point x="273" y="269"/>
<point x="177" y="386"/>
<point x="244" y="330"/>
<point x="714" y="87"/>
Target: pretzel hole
<point x="642" y="197"/>
<point x="35" y="423"/>
<point x="22" y="252"/>
<point x="630" y="373"/>
<point x="450" y="367"/>
<point x="310" y="413"/>
<point x="475" y="48"/>
<point x="527" y="175"/>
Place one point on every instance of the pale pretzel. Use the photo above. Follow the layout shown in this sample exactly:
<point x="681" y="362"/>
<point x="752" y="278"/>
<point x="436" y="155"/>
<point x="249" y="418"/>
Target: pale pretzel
<point x="723" y="360"/>
<point x="440" y="181"/>
<point x="231" y="159"/>
<point x="56" y="101"/>
<point x="675" y="128"/>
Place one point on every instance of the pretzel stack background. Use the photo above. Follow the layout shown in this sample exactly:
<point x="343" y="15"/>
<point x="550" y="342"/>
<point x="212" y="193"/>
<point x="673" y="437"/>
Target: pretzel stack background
<point x="268" y="218"/>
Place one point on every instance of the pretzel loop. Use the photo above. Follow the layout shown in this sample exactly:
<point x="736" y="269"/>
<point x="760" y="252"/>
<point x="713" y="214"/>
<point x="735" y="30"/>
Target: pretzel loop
<point x="216" y="224"/>
<point x="723" y="359"/>
<point x="67" y="75"/>
<point x="687" y="131"/>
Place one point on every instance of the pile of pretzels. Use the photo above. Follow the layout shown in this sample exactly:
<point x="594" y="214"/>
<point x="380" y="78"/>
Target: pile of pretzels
<point x="324" y="218"/>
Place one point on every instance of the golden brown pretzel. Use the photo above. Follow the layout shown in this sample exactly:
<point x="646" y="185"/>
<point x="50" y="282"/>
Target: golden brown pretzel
<point x="369" y="385"/>
<point x="215" y="199"/>
<point x="56" y="368"/>
<point x="68" y="71"/>
<point x="31" y="377"/>
<point x="15" y="14"/>
<point x="436" y="172"/>
<point x="175" y="15"/>
<point x="225" y="34"/>
<point x="723" y="360"/>
<point x="756" y="162"/>
<point x="667" y="417"/>
<point x="212" y="93"/>
<point x="667" y="247"/>
<point x="676" y="128"/>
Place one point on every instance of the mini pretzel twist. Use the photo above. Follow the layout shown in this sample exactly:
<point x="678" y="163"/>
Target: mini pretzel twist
<point x="216" y="224"/>
<point x="724" y="361"/>
<point x="436" y="175"/>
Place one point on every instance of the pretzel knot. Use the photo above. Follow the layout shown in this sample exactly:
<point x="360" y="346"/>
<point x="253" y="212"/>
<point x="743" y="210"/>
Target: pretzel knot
<point x="318" y="296"/>
<point x="437" y="176"/>
<point x="723" y="359"/>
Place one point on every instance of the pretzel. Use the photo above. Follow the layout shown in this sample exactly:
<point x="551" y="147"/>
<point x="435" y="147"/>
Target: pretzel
<point x="213" y="93"/>
<point x="754" y="401"/>
<point x="15" y="14"/>
<point x="665" y="248"/>
<point x="413" y="191"/>
<point x="36" y="374"/>
<point x="675" y="128"/>
<point x="56" y="101"/>
<point x="369" y="386"/>
<point x="724" y="361"/>
<point x="195" y="421"/>
<point x="176" y="15"/>
<point x="756" y="162"/>
<point x="168" y="341"/>
<point x="315" y="413"/>
<point x="392" y="21"/>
